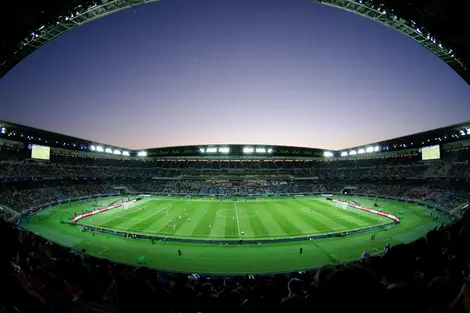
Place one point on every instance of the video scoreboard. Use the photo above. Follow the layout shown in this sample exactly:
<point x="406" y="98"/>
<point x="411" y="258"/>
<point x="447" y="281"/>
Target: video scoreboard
<point x="38" y="152"/>
<point x="431" y="153"/>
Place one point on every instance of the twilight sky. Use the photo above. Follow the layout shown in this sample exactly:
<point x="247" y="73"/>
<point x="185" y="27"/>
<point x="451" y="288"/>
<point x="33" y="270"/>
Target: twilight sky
<point x="279" y="72"/>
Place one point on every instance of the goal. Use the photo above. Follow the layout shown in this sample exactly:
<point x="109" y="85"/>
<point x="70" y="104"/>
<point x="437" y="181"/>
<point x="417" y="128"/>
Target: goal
<point x="342" y="206"/>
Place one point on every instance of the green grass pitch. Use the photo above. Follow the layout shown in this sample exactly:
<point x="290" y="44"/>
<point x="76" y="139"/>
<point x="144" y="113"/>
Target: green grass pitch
<point x="226" y="220"/>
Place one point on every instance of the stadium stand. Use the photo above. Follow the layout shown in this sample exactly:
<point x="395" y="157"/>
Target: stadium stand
<point x="418" y="180"/>
<point x="428" y="275"/>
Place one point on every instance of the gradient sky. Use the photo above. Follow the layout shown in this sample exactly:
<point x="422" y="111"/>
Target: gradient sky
<point x="279" y="72"/>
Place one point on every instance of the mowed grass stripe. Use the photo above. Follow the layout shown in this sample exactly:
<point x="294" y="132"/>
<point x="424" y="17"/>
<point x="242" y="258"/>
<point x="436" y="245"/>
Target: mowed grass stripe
<point x="244" y="220"/>
<point x="318" y="222"/>
<point x="202" y="228"/>
<point x="174" y="213"/>
<point x="345" y="217"/>
<point x="158" y="222"/>
<point x="218" y="228"/>
<point x="257" y="226"/>
<point x="123" y="217"/>
<point x="114" y="218"/>
<point x="292" y="211"/>
<point x="327" y="207"/>
<point x="150" y="222"/>
<point x="231" y="226"/>
<point x="337" y="217"/>
<point x="195" y="216"/>
<point x="283" y="220"/>
<point x="272" y="227"/>
<point x="313" y="211"/>
<point x="148" y="216"/>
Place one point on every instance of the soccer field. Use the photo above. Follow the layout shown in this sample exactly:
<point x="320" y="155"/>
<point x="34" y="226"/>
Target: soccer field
<point x="231" y="221"/>
<point x="262" y="219"/>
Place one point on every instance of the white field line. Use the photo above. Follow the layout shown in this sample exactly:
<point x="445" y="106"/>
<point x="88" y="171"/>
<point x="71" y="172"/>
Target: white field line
<point x="306" y="210"/>
<point x="238" y="221"/>
<point x="134" y="218"/>
<point x="158" y="212"/>
<point x="100" y="253"/>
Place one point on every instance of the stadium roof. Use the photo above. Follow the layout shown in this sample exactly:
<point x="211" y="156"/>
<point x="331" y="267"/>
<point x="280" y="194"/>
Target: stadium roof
<point x="26" y="134"/>
<point x="438" y="25"/>
<point x="431" y="137"/>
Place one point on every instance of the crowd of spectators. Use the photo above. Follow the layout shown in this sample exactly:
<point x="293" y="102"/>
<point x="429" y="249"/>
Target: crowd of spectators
<point x="454" y="164"/>
<point x="66" y="176"/>
<point x="429" y="275"/>
<point x="22" y="196"/>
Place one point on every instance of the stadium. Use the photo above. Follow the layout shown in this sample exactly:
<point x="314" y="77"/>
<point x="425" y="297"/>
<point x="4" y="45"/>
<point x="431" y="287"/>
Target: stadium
<point x="92" y="227"/>
<point x="233" y="209"/>
<point x="225" y="207"/>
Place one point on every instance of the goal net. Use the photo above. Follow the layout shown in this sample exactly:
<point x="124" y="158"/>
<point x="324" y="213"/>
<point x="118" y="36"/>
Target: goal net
<point x="342" y="206"/>
<point x="127" y="207"/>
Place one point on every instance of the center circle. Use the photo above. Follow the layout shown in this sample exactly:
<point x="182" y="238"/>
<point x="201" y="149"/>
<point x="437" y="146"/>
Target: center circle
<point x="228" y="213"/>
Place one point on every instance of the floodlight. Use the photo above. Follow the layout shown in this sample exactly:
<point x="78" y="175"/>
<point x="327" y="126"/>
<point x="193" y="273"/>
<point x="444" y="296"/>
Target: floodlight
<point x="462" y="132"/>
<point x="353" y="152"/>
<point x="211" y="150"/>
<point x="4" y="130"/>
<point x="468" y="131"/>
<point x="108" y="150"/>
<point x="260" y="150"/>
<point x="327" y="154"/>
<point x="369" y="149"/>
<point x="224" y="150"/>
<point x="248" y="150"/>
<point x="99" y="149"/>
<point x="270" y="150"/>
<point x="361" y="151"/>
<point x="92" y="148"/>
<point x="126" y="153"/>
<point x="376" y="148"/>
<point x="118" y="152"/>
<point x="202" y="150"/>
<point x="344" y="153"/>
<point x="142" y="153"/>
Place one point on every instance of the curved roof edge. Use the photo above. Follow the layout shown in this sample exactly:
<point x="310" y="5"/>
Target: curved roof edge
<point x="440" y="26"/>
<point x="26" y="135"/>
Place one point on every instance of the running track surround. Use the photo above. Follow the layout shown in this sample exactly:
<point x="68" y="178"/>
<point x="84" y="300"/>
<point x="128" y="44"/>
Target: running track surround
<point x="395" y="219"/>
